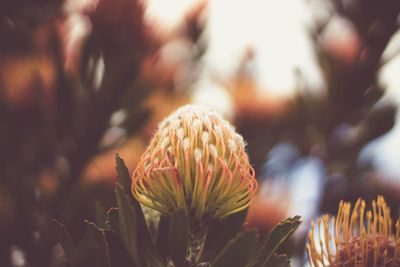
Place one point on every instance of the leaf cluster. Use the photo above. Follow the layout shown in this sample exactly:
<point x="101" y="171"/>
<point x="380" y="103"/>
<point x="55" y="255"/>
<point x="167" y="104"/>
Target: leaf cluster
<point x="122" y="238"/>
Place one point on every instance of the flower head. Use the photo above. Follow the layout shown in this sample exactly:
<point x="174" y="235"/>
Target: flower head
<point x="195" y="162"/>
<point x="355" y="238"/>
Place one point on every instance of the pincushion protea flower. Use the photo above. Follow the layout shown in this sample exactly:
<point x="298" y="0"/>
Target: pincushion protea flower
<point x="355" y="238"/>
<point x="195" y="162"/>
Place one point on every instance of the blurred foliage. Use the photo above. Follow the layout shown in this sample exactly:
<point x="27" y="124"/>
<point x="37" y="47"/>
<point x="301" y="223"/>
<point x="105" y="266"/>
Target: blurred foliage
<point x="352" y="91"/>
<point x="334" y="124"/>
<point x="78" y="80"/>
<point x="53" y="123"/>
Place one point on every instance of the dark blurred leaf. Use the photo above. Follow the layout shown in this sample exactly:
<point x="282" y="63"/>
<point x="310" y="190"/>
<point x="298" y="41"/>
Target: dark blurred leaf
<point x="65" y="240"/>
<point x="119" y="256"/>
<point x="278" y="261"/>
<point x="135" y="119"/>
<point x="102" y="246"/>
<point x="151" y="254"/>
<point x="222" y="231"/>
<point x="37" y="9"/>
<point x="372" y="95"/>
<point x="177" y="238"/>
<point x="137" y="91"/>
<point x="238" y="251"/>
<point x="278" y="235"/>
<point x="127" y="224"/>
<point x="378" y="121"/>
<point x="89" y="59"/>
<point x="116" y="83"/>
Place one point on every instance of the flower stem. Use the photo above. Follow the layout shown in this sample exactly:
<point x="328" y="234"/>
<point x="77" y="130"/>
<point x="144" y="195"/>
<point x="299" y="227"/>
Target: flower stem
<point x="196" y="239"/>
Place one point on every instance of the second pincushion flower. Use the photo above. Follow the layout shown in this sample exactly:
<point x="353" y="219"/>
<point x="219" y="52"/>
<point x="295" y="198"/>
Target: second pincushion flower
<point x="196" y="162"/>
<point x="355" y="237"/>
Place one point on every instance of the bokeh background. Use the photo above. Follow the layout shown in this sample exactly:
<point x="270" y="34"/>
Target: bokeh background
<point x="312" y="85"/>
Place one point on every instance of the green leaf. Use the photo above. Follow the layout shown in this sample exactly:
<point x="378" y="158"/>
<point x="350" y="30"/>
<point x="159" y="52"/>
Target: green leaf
<point x="113" y="221"/>
<point x="222" y="231"/>
<point x="177" y="238"/>
<point x="147" y="249"/>
<point x="102" y="246"/>
<point x="124" y="177"/>
<point x="278" y="261"/>
<point x="127" y="224"/>
<point x="64" y="237"/>
<point x="278" y="235"/>
<point x="238" y="251"/>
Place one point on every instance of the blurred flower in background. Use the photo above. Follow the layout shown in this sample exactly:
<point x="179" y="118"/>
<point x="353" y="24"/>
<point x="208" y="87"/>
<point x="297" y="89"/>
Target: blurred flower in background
<point x="269" y="207"/>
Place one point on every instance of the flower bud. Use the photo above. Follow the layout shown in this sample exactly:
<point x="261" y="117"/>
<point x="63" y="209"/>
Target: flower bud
<point x="195" y="162"/>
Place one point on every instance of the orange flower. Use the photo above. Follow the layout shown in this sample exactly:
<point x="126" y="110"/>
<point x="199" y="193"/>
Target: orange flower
<point x="356" y="238"/>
